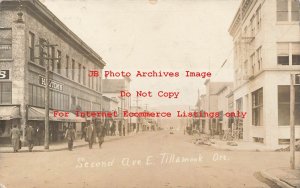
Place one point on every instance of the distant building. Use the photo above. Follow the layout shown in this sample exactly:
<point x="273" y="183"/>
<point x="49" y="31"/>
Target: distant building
<point x="214" y="101"/>
<point x="266" y="41"/>
<point x="23" y="26"/>
<point x="112" y="88"/>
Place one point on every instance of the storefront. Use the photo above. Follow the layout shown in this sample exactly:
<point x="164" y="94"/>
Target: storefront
<point x="9" y="116"/>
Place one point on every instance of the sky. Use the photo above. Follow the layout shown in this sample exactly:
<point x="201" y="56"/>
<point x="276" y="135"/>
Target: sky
<point x="159" y="35"/>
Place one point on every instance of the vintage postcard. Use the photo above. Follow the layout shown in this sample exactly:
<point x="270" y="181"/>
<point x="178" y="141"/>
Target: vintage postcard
<point x="149" y="93"/>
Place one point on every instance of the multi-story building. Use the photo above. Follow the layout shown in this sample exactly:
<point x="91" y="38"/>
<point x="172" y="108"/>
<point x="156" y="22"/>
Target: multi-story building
<point x="25" y="26"/>
<point x="266" y="38"/>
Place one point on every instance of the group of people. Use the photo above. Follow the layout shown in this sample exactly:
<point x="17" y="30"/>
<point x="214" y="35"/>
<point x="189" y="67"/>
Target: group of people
<point x="16" y="135"/>
<point x="90" y="133"/>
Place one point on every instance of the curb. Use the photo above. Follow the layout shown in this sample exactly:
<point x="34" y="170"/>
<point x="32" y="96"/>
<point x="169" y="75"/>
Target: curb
<point x="275" y="180"/>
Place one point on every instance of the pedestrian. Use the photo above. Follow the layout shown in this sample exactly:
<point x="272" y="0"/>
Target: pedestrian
<point x="83" y="135"/>
<point x="15" y="138"/>
<point x="120" y="127"/>
<point x="70" y="135"/>
<point x="90" y="135"/>
<point x="101" y="134"/>
<point x="29" y="135"/>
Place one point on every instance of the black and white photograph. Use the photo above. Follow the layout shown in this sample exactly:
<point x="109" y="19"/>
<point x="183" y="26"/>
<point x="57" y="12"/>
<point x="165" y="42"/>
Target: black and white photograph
<point x="150" y="93"/>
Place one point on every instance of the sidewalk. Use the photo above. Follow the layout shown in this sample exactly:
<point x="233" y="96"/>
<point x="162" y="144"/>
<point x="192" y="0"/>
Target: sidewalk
<point x="62" y="145"/>
<point x="243" y="146"/>
<point x="283" y="177"/>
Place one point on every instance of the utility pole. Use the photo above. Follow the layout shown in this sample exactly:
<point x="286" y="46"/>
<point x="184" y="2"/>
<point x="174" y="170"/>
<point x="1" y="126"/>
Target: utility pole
<point x="137" y="109"/>
<point x="46" y="56"/>
<point x="292" y="123"/>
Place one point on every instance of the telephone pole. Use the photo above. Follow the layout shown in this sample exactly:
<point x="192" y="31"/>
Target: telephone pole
<point x="292" y="123"/>
<point x="46" y="56"/>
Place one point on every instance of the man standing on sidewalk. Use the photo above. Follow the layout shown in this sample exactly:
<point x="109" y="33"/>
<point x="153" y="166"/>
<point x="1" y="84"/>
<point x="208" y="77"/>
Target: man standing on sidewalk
<point x="90" y="135"/>
<point x="29" y="135"/>
<point x="15" y="138"/>
<point x="70" y="135"/>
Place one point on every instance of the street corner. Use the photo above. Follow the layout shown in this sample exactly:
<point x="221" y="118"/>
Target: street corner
<point x="283" y="177"/>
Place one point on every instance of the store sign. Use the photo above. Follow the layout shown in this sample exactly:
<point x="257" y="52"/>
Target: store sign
<point x="4" y="74"/>
<point x="52" y="84"/>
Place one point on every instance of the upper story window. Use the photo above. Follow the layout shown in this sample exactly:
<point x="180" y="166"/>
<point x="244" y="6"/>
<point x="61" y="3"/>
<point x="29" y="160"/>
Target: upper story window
<point x="59" y="62"/>
<point x="252" y="22"/>
<point x="258" y="18"/>
<point x="43" y="51"/>
<point x="288" y="53"/>
<point x="288" y="10"/>
<point x="5" y="43"/>
<point x="84" y="75"/>
<point x="73" y="69"/>
<point x="296" y="53"/>
<point x="31" y="46"/>
<point x="79" y="73"/>
<point x="67" y="66"/>
<point x="283" y="53"/>
<point x="5" y="92"/>
<point x="52" y="54"/>
<point x="259" y="58"/>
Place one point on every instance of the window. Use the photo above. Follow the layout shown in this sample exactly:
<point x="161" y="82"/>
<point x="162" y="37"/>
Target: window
<point x="52" y="52"/>
<point x="258" y="17"/>
<point x="36" y="95"/>
<point x="284" y="105"/>
<point x="257" y="107"/>
<point x="79" y="73"/>
<point x="67" y="66"/>
<point x="31" y="46"/>
<point x="296" y="53"/>
<point x="252" y="58"/>
<point x="5" y="92"/>
<point x="59" y="62"/>
<point x="252" y="22"/>
<point x="5" y="43"/>
<point x="283" y="53"/>
<point x="84" y="75"/>
<point x="73" y="69"/>
<point x="295" y="9"/>
<point x="42" y="53"/>
<point x="288" y="10"/>
<point x="282" y="10"/>
<point x="259" y="58"/>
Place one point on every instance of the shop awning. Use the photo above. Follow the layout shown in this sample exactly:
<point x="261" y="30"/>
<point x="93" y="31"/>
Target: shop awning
<point x="35" y="113"/>
<point x="9" y="112"/>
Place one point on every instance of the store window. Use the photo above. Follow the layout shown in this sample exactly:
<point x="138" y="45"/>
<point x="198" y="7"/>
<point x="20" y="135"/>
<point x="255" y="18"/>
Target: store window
<point x="257" y="107"/>
<point x="5" y="92"/>
<point x="284" y="105"/>
<point x="5" y="43"/>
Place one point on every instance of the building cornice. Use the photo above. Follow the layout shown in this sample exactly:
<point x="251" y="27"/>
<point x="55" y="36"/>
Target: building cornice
<point x="41" y="11"/>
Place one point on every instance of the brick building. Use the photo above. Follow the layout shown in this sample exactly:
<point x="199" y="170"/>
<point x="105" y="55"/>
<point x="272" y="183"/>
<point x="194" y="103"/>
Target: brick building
<point x="22" y="81"/>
